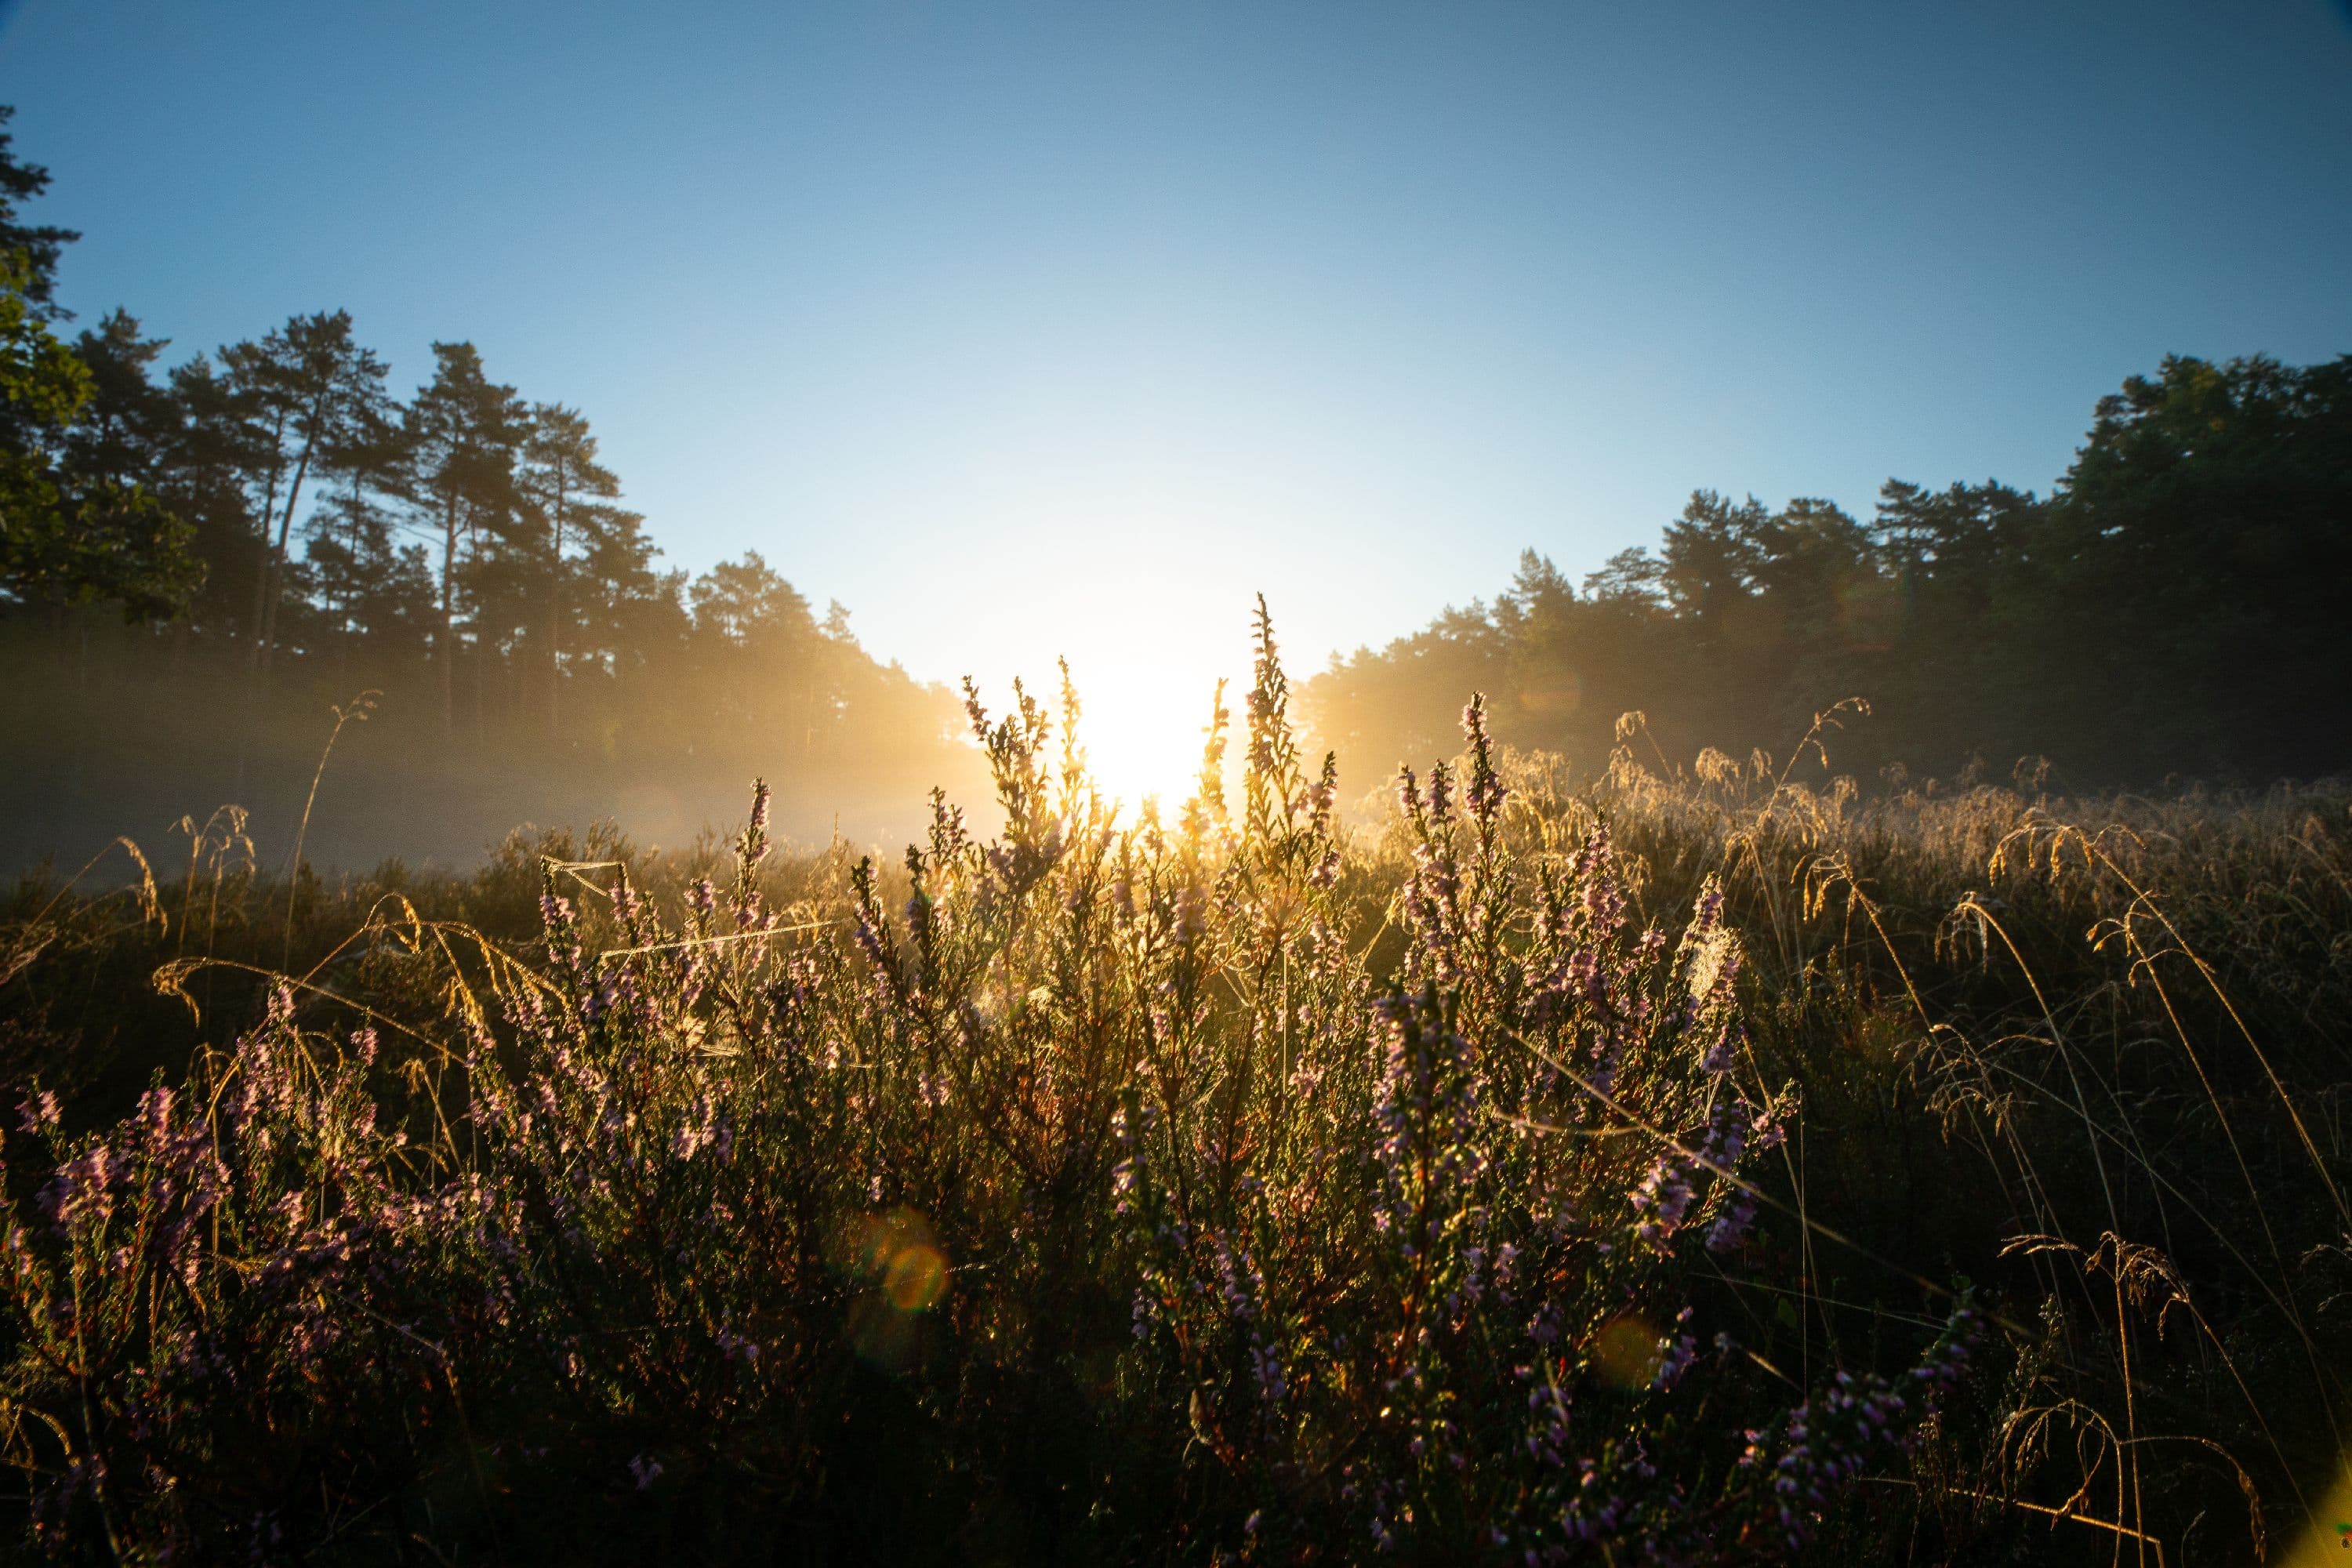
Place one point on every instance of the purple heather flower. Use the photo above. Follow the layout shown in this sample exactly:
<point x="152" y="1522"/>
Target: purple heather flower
<point x="38" y="1113"/>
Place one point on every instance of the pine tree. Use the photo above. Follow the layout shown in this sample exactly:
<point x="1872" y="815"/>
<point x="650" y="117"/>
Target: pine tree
<point x="560" y="477"/>
<point x="72" y="536"/>
<point x="317" y="386"/>
<point x="464" y="429"/>
<point x="40" y="245"/>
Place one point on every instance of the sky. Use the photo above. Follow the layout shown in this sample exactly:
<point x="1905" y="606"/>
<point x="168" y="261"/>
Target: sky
<point x="1033" y="330"/>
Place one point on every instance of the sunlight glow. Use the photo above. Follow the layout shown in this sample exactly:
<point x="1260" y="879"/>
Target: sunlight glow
<point x="1147" y="630"/>
<point x="2327" y="1539"/>
<point x="1143" y="726"/>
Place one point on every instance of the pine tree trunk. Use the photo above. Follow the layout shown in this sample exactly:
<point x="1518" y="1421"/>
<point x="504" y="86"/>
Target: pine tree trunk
<point x="262" y="579"/>
<point x="555" y="628"/>
<point x="446" y="654"/>
<point x="271" y="591"/>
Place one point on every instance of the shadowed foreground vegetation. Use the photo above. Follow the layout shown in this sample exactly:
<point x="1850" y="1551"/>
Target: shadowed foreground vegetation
<point x="1705" y="1168"/>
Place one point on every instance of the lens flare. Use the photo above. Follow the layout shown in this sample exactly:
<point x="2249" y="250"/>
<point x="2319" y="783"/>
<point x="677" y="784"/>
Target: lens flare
<point x="1626" y="1354"/>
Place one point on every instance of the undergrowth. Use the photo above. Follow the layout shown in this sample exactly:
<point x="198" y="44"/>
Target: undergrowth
<point x="1688" y="1168"/>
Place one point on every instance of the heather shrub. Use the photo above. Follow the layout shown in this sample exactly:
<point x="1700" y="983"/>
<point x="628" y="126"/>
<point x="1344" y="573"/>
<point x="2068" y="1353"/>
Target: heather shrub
<point x="1095" y="1190"/>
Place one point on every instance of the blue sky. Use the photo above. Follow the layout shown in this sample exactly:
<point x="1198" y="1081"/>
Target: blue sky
<point x="1027" y="329"/>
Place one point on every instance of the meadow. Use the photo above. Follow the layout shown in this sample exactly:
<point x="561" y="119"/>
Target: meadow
<point x="1686" y="1164"/>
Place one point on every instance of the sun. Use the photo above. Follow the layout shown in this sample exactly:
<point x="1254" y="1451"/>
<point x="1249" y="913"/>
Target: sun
<point x="1147" y="635"/>
<point x="1142" y="725"/>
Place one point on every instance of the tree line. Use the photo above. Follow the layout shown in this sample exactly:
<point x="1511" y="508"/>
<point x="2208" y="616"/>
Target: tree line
<point x="272" y="522"/>
<point x="2174" y="606"/>
<point x="205" y="552"/>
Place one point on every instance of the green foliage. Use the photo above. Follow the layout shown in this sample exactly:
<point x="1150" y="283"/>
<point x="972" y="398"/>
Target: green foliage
<point x="38" y="244"/>
<point x="2170" y="607"/>
<point x="44" y="387"/>
<point x="70" y="537"/>
<point x="466" y="556"/>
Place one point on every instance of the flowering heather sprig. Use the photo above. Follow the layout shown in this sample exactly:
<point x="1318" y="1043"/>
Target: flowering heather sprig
<point x="81" y="1193"/>
<point x="1661" y="1199"/>
<point x="1677" y="1349"/>
<point x="1825" y="1442"/>
<point x="1731" y="1225"/>
<point x="736" y="1346"/>
<point x="1265" y="1367"/>
<point x="1432" y="898"/>
<point x="755" y="830"/>
<point x="871" y="938"/>
<point x="1486" y="792"/>
<point x="38" y="1113"/>
<point x="1424" y="1114"/>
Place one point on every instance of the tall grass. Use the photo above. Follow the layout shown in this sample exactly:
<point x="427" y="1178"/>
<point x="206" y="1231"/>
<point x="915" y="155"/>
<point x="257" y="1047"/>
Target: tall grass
<point x="1687" y="1167"/>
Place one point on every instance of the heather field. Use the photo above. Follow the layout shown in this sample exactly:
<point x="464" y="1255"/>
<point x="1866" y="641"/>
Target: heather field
<point x="660" y="902"/>
<point x="1699" y="1163"/>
